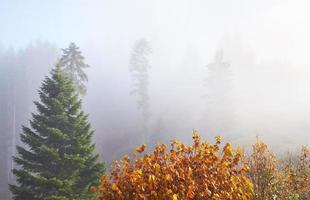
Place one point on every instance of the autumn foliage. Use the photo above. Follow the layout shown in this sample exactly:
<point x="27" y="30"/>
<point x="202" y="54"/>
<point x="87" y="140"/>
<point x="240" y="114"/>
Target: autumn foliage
<point x="295" y="176"/>
<point x="279" y="179"/>
<point x="263" y="171"/>
<point x="207" y="171"/>
<point x="197" y="171"/>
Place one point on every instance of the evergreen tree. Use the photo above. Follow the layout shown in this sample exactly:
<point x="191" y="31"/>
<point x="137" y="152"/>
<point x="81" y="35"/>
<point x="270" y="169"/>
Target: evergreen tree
<point x="58" y="160"/>
<point x="20" y="72"/>
<point x="139" y="67"/>
<point x="219" y="112"/>
<point x="73" y="63"/>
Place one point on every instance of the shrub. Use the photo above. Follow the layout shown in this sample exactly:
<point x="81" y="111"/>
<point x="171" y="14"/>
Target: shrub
<point x="197" y="171"/>
<point x="296" y="174"/>
<point x="263" y="172"/>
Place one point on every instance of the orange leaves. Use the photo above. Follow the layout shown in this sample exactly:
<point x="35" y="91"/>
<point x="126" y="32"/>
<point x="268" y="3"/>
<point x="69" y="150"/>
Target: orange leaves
<point x="141" y="149"/>
<point x="168" y="178"/>
<point x="197" y="171"/>
<point x="206" y="171"/>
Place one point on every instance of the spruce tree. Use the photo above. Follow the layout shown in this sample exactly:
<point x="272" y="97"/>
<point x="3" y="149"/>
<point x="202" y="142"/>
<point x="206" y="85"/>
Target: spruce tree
<point x="219" y="105"/>
<point x="73" y="63"/>
<point x="139" y="67"/>
<point x="57" y="161"/>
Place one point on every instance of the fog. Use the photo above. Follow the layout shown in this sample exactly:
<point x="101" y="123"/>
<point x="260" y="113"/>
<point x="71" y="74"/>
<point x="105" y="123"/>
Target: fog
<point x="264" y="46"/>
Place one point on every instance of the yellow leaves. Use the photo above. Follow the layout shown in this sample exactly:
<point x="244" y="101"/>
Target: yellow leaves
<point x="156" y="167"/>
<point x="151" y="178"/>
<point x="228" y="149"/>
<point x="187" y="172"/>
<point x="250" y="185"/>
<point x="205" y="171"/>
<point x="169" y="192"/>
<point x="225" y="164"/>
<point x="218" y="139"/>
<point x="141" y="148"/>
<point x="216" y="197"/>
<point x="139" y="171"/>
<point x="168" y="177"/>
<point x="239" y="151"/>
<point x="196" y="139"/>
<point x="114" y="187"/>
<point x="298" y="173"/>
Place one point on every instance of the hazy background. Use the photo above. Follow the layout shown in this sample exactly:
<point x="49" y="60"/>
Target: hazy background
<point x="265" y="42"/>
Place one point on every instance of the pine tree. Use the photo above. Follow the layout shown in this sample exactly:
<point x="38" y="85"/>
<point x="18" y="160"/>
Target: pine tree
<point x="219" y="112"/>
<point x="73" y="63"/>
<point x="57" y="161"/>
<point x="139" y="67"/>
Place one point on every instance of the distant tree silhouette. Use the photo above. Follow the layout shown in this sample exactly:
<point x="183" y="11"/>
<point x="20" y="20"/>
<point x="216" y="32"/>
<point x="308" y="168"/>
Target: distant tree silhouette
<point x="219" y="110"/>
<point x="139" y="68"/>
<point x="73" y="63"/>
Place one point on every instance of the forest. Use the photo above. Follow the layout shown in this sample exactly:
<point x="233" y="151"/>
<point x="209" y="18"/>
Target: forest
<point x="154" y="100"/>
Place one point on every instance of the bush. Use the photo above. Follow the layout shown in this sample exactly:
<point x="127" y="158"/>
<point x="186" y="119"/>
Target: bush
<point x="296" y="174"/>
<point x="289" y="180"/>
<point x="197" y="171"/>
<point x="263" y="172"/>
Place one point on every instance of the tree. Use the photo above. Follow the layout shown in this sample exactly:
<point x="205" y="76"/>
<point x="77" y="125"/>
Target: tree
<point x="198" y="171"/>
<point x="73" y="63"/>
<point x="20" y="72"/>
<point x="57" y="161"/>
<point x="264" y="172"/>
<point x="139" y="67"/>
<point x="219" y="112"/>
<point x="296" y="176"/>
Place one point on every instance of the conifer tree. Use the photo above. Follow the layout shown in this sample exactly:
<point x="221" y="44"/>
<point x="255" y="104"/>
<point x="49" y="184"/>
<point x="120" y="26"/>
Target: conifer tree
<point x="73" y="63"/>
<point x="139" y="68"/>
<point x="219" y="107"/>
<point x="57" y="160"/>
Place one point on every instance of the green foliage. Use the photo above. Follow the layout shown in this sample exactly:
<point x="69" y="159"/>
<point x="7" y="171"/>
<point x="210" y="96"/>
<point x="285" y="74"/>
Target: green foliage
<point x="57" y="162"/>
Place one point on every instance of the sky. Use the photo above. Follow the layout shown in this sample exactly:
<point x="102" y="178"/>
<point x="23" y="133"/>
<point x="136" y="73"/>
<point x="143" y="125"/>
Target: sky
<point x="272" y="27"/>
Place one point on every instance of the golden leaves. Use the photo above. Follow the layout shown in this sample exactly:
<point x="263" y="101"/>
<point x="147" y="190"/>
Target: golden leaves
<point x="218" y="139"/>
<point x="168" y="178"/>
<point x="296" y="175"/>
<point x="114" y="187"/>
<point x="141" y="149"/>
<point x="263" y="170"/>
<point x="205" y="171"/>
<point x="174" y="197"/>
<point x="228" y="149"/>
<point x="139" y="172"/>
<point x="197" y="171"/>
<point x="274" y="179"/>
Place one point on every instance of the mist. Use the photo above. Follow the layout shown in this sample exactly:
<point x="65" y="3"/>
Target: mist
<point x="262" y="91"/>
